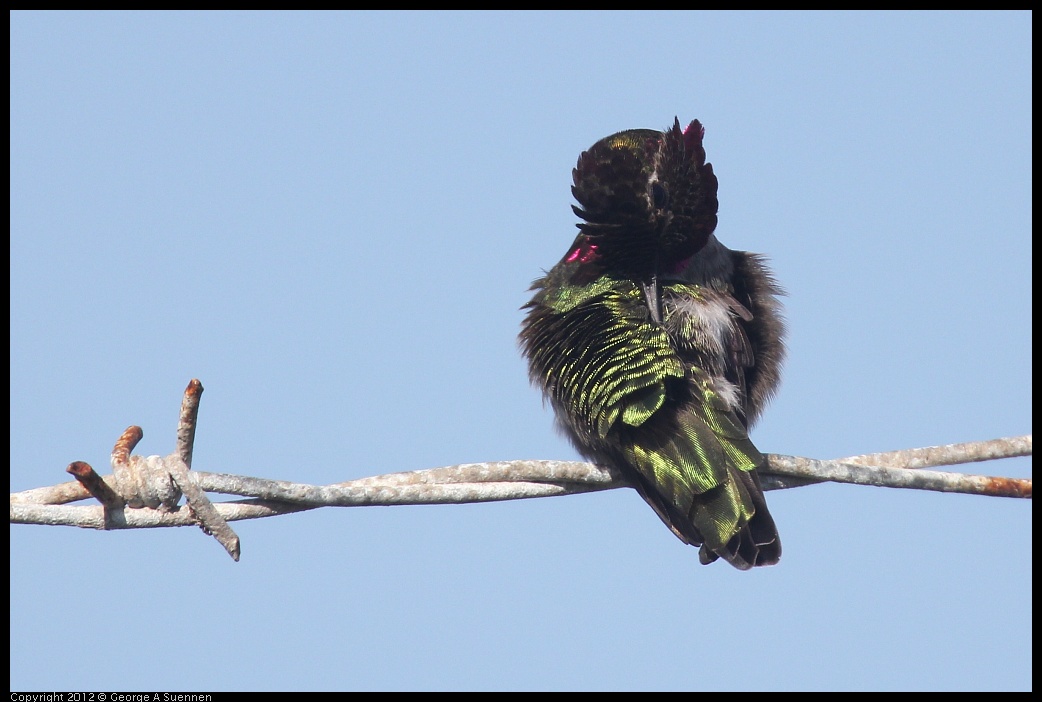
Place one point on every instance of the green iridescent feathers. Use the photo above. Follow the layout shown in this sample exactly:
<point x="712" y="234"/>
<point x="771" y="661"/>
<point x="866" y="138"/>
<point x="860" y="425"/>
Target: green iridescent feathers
<point x="646" y="335"/>
<point x="599" y="355"/>
<point x="622" y="391"/>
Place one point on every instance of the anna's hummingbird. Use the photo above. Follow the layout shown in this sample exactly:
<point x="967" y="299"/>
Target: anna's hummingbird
<point x="657" y="346"/>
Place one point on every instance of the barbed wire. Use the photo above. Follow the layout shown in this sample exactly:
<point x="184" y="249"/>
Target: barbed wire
<point x="144" y="492"/>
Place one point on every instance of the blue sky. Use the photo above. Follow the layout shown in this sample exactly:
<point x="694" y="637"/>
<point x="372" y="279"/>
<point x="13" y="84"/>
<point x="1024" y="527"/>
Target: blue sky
<point x="332" y="220"/>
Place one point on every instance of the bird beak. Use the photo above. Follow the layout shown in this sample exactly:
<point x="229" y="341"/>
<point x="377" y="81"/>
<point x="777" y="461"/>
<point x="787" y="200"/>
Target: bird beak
<point x="653" y="296"/>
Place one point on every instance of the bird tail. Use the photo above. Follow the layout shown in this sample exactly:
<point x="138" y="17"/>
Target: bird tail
<point x="756" y="543"/>
<point x="699" y="475"/>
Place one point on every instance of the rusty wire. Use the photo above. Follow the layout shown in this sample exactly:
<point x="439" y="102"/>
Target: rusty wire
<point x="152" y="481"/>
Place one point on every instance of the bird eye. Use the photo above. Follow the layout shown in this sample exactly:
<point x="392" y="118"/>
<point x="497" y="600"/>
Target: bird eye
<point x="659" y="196"/>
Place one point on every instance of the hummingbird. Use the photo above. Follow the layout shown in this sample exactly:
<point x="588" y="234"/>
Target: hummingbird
<point x="657" y="346"/>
